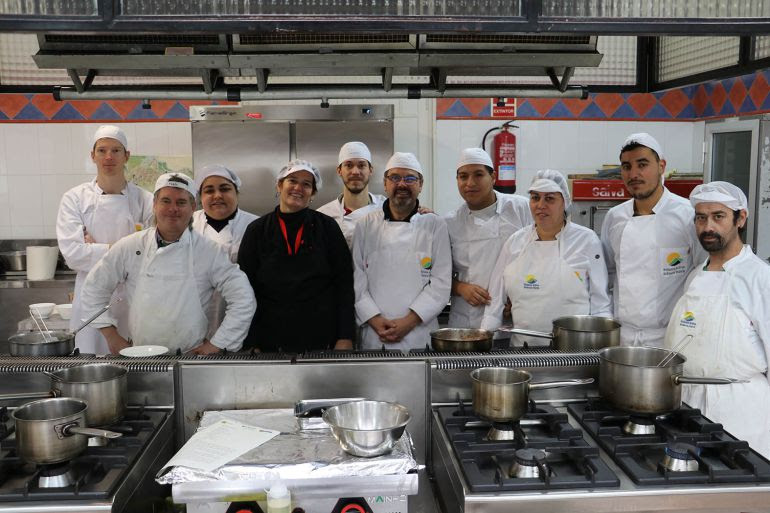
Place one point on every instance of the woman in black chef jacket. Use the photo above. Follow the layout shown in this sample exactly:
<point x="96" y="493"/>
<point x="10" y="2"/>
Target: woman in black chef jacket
<point x="301" y="270"/>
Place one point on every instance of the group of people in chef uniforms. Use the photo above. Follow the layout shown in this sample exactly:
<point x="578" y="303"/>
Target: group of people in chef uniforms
<point x="372" y="271"/>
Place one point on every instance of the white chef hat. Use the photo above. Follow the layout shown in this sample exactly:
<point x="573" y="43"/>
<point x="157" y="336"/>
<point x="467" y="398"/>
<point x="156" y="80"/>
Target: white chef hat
<point x="548" y="180"/>
<point x="725" y="193"/>
<point x="216" y="170"/>
<point x="178" y="180"/>
<point x="300" y="165"/>
<point x="354" y="150"/>
<point x="644" y="139"/>
<point x="474" y="156"/>
<point x="111" y="132"/>
<point x="404" y="160"/>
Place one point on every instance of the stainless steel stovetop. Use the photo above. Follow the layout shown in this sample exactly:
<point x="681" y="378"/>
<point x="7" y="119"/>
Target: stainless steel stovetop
<point x="578" y="460"/>
<point x="116" y="477"/>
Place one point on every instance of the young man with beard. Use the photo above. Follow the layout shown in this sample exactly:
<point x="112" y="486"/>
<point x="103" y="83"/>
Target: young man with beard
<point x="725" y="309"/>
<point x="355" y="170"/>
<point x="649" y="243"/>
<point x="403" y="264"/>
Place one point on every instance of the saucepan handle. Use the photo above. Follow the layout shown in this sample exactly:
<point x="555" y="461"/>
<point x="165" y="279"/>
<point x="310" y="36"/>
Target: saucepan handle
<point x="27" y="395"/>
<point x="557" y="384"/>
<point x="102" y="433"/>
<point x="529" y="333"/>
<point x="680" y="380"/>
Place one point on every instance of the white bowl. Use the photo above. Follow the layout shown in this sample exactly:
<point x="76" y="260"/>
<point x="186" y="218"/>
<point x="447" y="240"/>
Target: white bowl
<point x="41" y="310"/>
<point x="64" y="311"/>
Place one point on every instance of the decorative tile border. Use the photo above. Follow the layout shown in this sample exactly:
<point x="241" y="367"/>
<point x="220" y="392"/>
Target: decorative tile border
<point x="38" y="108"/>
<point x="744" y="95"/>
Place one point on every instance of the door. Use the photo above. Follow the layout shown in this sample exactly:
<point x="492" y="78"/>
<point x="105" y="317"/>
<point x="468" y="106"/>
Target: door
<point x="731" y="156"/>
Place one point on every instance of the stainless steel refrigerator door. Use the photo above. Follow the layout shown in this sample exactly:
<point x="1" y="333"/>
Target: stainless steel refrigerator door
<point x="320" y="142"/>
<point x="255" y="151"/>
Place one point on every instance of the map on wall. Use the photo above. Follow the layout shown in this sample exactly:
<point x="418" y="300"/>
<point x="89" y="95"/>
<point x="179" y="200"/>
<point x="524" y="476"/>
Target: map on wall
<point x="144" y="170"/>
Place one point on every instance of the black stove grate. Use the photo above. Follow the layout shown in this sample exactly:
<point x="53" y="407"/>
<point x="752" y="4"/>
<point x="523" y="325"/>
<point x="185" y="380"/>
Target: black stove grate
<point x="720" y="457"/>
<point x="98" y="471"/>
<point x="569" y="463"/>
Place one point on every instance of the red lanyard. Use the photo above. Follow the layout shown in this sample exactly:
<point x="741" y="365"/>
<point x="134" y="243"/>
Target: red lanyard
<point x="297" y="242"/>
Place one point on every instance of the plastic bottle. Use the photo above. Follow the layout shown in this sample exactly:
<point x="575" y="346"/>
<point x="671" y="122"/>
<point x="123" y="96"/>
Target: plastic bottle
<point x="278" y="498"/>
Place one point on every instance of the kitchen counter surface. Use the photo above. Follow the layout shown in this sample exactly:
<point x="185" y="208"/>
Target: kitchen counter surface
<point x="64" y="279"/>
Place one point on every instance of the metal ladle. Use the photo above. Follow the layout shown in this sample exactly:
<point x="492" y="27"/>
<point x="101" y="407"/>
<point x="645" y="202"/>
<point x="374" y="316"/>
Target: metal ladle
<point x="675" y="350"/>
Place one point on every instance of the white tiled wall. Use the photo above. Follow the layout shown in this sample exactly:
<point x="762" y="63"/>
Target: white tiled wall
<point x="568" y="146"/>
<point x="41" y="161"/>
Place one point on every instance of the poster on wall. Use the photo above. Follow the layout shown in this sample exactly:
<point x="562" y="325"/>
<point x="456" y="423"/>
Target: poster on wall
<point x="507" y="110"/>
<point x="144" y="170"/>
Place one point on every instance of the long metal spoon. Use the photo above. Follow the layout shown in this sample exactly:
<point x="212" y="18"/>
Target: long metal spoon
<point x="97" y="314"/>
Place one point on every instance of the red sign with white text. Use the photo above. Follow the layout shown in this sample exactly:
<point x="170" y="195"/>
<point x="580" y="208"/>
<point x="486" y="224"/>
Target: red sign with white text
<point x="508" y="110"/>
<point x="614" y="190"/>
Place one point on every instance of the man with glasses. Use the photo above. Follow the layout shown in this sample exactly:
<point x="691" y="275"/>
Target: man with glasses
<point x="170" y="274"/>
<point x="403" y="264"/>
<point x="355" y="202"/>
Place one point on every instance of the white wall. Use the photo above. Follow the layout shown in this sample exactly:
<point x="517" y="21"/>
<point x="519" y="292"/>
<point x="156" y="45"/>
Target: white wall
<point x="568" y="146"/>
<point x="40" y="161"/>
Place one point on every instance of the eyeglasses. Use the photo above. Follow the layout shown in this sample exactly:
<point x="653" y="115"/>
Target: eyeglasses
<point x="408" y="179"/>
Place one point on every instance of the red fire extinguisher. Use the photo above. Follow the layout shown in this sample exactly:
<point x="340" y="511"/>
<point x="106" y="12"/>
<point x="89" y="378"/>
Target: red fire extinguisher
<point x="503" y="157"/>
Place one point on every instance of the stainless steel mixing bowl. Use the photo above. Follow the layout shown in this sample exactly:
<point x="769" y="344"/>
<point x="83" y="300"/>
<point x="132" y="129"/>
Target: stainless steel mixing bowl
<point x="367" y="428"/>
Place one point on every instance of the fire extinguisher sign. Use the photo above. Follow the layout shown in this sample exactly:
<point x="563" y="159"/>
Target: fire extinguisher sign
<point x="503" y="107"/>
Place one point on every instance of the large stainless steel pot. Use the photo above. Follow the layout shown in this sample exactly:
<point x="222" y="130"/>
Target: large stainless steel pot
<point x="53" y="430"/>
<point x="102" y="385"/>
<point x="461" y="339"/>
<point x="578" y="333"/>
<point x="501" y="394"/>
<point x="630" y="379"/>
<point x="46" y="343"/>
<point x="367" y="428"/>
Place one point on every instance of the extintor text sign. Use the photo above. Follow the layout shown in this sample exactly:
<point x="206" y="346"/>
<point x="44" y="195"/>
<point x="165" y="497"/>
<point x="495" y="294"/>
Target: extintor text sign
<point x="508" y="110"/>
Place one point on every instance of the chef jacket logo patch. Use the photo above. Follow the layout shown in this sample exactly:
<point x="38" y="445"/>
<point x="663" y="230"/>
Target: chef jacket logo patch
<point x="426" y="264"/>
<point x="674" y="264"/>
<point x="688" y="320"/>
<point x="530" y="282"/>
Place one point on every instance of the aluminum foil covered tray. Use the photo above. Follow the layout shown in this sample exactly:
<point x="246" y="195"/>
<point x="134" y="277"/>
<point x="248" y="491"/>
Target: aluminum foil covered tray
<point x="294" y="454"/>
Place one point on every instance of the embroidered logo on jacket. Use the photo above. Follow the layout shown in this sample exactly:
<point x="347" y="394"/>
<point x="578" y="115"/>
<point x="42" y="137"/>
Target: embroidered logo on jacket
<point x="530" y="282"/>
<point x="688" y="320"/>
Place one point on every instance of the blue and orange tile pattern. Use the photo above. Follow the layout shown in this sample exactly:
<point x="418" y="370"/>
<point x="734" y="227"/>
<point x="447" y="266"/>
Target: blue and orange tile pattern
<point x="42" y="107"/>
<point x="744" y="95"/>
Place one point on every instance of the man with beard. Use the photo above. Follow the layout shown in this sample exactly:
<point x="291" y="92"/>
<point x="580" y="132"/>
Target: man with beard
<point x="725" y="309"/>
<point x="355" y="170"/>
<point x="649" y="243"/>
<point x="403" y="264"/>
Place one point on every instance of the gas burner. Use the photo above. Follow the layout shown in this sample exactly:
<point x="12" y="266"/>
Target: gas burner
<point x="501" y="431"/>
<point x="59" y="475"/>
<point x="638" y="425"/>
<point x="680" y="457"/>
<point x="98" y="441"/>
<point x="526" y="463"/>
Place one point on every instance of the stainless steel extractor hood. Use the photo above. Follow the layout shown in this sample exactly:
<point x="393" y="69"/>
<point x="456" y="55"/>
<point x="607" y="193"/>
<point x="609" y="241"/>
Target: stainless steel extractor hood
<point x="364" y="65"/>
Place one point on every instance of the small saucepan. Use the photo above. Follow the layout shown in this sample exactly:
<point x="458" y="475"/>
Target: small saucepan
<point x="578" y="333"/>
<point x="501" y="394"/>
<point x="53" y="430"/>
<point x="630" y="379"/>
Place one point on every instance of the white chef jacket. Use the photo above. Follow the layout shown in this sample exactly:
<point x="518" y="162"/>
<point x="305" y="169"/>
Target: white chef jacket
<point x="417" y="275"/>
<point x="749" y="291"/>
<point x="212" y="268"/>
<point x="230" y="236"/>
<point x="336" y="210"/>
<point x="580" y="248"/>
<point x="78" y="210"/>
<point x="674" y="231"/>
<point x="476" y="242"/>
